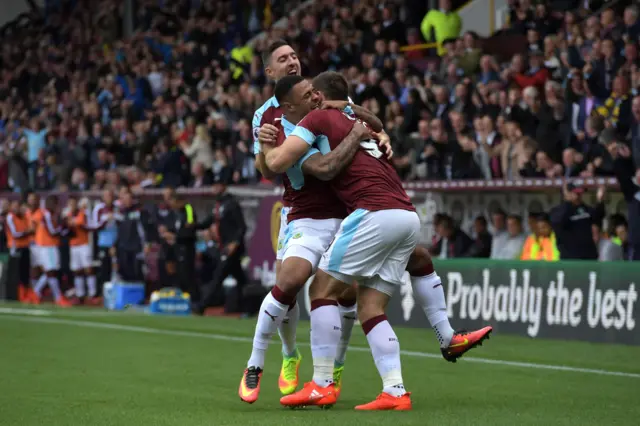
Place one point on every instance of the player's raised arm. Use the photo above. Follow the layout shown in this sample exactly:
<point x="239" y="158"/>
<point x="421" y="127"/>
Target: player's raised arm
<point x="326" y="167"/>
<point x="360" y="112"/>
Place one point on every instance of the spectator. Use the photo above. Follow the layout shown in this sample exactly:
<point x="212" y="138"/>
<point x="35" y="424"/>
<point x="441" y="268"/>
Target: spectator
<point x="572" y="221"/>
<point x="609" y="249"/>
<point x="541" y="243"/>
<point x="200" y="148"/>
<point x="229" y="234"/>
<point x="499" y="229"/>
<point x="512" y="246"/>
<point x="482" y="244"/>
<point x="629" y="181"/>
<point x="445" y="23"/>
<point x="453" y="241"/>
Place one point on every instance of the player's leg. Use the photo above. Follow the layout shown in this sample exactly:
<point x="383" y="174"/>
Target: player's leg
<point x="299" y="259"/>
<point x="75" y="264"/>
<point x="348" y="316"/>
<point x="89" y="273"/>
<point x="51" y="265"/>
<point x="288" y="328"/>
<point x="355" y="244"/>
<point x="325" y="338"/>
<point x="428" y="291"/>
<point x="373" y="296"/>
<point x="38" y="279"/>
<point x="399" y="241"/>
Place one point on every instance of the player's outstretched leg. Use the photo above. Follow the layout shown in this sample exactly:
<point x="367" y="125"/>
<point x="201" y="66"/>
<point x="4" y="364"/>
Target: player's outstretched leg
<point x="428" y="291"/>
<point x="326" y="331"/>
<point x="348" y="315"/>
<point x="384" y="347"/>
<point x="275" y="306"/>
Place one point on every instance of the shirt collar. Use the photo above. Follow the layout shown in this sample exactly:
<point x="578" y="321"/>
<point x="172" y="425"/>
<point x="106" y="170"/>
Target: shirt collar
<point x="287" y="125"/>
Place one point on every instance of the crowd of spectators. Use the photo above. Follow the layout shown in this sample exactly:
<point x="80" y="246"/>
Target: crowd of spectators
<point x="82" y="106"/>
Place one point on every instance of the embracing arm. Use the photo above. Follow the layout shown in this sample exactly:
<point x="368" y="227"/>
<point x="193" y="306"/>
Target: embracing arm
<point x="279" y="159"/>
<point x="368" y="117"/>
<point x="326" y="167"/>
<point x="261" y="165"/>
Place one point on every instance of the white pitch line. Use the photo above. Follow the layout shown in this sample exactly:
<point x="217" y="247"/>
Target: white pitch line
<point x="225" y="337"/>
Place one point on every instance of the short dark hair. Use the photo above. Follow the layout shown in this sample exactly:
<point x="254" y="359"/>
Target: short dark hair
<point x="266" y="55"/>
<point x="499" y="211"/>
<point x="482" y="220"/>
<point x="515" y="217"/>
<point x="333" y="85"/>
<point x="544" y="217"/>
<point x="284" y="86"/>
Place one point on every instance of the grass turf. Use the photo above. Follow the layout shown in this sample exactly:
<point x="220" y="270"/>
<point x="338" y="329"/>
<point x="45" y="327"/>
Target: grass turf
<point x="165" y="371"/>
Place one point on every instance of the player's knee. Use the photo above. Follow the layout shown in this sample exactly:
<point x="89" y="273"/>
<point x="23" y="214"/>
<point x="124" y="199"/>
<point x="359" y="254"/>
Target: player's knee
<point x="348" y="297"/>
<point x="420" y="263"/>
<point x="371" y="303"/>
<point x="324" y="286"/>
<point x="291" y="280"/>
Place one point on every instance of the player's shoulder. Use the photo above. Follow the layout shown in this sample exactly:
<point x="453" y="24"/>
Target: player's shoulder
<point x="268" y="110"/>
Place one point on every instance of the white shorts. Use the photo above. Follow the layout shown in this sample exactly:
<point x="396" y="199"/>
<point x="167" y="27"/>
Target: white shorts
<point x="373" y="248"/>
<point x="49" y="258"/>
<point x="283" y="229"/>
<point x="80" y="257"/>
<point x="34" y="252"/>
<point x="309" y="239"/>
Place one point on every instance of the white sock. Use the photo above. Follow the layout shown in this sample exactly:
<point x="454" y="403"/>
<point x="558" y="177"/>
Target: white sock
<point x="325" y="337"/>
<point x="429" y="293"/>
<point x="348" y="316"/>
<point x="39" y="285"/>
<point x="79" y="285"/>
<point x="55" y="288"/>
<point x="287" y="331"/>
<point x="92" y="289"/>
<point x="271" y="315"/>
<point x="386" y="354"/>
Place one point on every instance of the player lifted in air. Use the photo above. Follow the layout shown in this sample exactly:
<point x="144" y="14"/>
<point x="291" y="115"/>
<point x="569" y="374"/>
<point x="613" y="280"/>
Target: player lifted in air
<point x="373" y="246"/>
<point x="317" y="214"/>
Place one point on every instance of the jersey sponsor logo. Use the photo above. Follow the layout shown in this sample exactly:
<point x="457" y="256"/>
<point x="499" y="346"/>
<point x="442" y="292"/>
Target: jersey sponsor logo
<point x="371" y="148"/>
<point x="297" y="235"/>
<point x="256" y="131"/>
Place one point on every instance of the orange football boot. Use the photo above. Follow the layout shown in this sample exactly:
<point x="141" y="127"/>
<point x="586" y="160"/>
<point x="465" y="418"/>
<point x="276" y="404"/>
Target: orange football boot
<point x="311" y="394"/>
<point x="34" y="299"/>
<point x="22" y="294"/>
<point x="463" y="341"/>
<point x="250" y="385"/>
<point x="385" y="401"/>
<point x="63" y="302"/>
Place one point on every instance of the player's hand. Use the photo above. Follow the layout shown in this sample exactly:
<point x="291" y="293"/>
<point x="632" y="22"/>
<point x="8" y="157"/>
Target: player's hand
<point x="361" y="129"/>
<point x="268" y="134"/>
<point x="112" y="252"/>
<point x="624" y="151"/>
<point x="384" y="142"/>
<point x="340" y="105"/>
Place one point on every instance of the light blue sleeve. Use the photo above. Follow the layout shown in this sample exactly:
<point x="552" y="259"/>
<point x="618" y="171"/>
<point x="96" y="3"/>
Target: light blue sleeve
<point x="305" y="134"/>
<point x="305" y="157"/>
<point x="255" y="124"/>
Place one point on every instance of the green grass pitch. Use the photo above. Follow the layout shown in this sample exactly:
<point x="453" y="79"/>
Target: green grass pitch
<point x="93" y="368"/>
